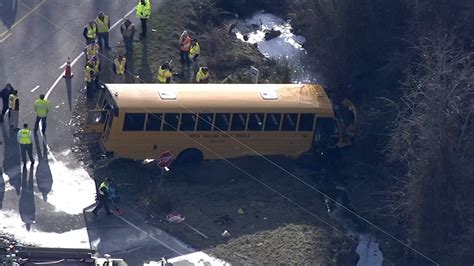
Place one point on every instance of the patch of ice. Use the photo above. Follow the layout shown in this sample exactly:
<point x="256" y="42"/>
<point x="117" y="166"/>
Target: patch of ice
<point x="196" y="258"/>
<point x="72" y="189"/>
<point x="286" y="46"/>
<point x="369" y="252"/>
<point x="72" y="239"/>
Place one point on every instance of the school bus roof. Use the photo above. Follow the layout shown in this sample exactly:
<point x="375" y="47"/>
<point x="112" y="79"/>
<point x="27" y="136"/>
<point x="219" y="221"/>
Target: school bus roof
<point x="212" y="98"/>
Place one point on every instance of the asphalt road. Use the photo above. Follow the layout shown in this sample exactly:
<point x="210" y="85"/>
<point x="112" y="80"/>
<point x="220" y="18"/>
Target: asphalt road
<point x="45" y="204"/>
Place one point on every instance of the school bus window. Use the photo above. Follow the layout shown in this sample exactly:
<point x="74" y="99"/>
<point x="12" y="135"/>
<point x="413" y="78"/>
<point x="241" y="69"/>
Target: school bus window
<point x="134" y="122"/>
<point x="205" y="122"/>
<point x="256" y="122"/>
<point x="239" y="121"/>
<point x="171" y="122"/>
<point x="222" y="122"/>
<point x="188" y="122"/>
<point x="273" y="122"/>
<point x="289" y="122"/>
<point x="153" y="122"/>
<point x="306" y="122"/>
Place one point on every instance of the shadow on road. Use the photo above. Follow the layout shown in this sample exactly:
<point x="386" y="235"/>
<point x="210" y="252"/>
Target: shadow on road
<point x="145" y="74"/>
<point x="69" y="93"/>
<point x="129" y="76"/>
<point x="2" y="187"/>
<point x="27" y="199"/>
<point x="8" y="12"/>
<point x="11" y="161"/>
<point x="44" y="178"/>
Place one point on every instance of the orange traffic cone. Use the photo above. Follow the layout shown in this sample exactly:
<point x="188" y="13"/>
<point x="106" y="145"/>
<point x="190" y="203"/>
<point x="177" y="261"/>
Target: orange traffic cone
<point x="68" y="71"/>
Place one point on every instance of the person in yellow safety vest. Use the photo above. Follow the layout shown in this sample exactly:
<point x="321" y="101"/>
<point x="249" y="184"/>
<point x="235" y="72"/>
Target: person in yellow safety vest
<point x="164" y="73"/>
<point x="92" y="50"/>
<point x="120" y="65"/>
<point x="202" y="75"/>
<point x="42" y="108"/>
<point x="194" y="53"/>
<point x="103" y="198"/>
<point x="103" y="26"/>
<point x="90" y="32"/>
<point x="95" y="63"/>
<point x="128" y="32"/>
<point x="14" y="108"/>
<point x="89" y="77"/>
<point x="25" y="140"/>
<point x="143" y="13"/>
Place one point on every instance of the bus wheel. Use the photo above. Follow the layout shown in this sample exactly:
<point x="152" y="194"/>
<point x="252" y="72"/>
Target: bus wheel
<point x="190" y="157"/>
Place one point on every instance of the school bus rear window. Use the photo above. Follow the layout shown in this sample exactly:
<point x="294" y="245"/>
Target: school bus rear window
<point x="306" y="122"/>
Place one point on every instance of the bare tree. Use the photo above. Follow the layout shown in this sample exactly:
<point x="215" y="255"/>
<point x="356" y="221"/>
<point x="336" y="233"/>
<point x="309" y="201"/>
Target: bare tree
<point x="432" y="145"/>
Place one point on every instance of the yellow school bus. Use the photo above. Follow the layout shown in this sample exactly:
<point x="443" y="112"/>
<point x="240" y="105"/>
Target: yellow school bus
<point x="211" y="121"/>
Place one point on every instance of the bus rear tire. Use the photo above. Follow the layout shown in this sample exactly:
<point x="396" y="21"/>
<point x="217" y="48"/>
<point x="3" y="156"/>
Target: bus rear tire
<point x="190" y="157"/>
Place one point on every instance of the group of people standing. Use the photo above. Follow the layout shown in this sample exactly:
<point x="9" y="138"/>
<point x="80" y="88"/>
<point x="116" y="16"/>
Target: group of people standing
<point x="189" y="52"/>
<point x="96" y="34"/>
<point x="11" y="104"/>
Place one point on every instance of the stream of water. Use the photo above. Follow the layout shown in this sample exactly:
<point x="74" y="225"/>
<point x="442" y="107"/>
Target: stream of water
<point x="288" y="49"/>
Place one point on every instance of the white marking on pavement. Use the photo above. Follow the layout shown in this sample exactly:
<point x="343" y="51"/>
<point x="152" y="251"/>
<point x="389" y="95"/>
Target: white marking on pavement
<point x="120" y="20"/>
<point x="77" y="58"/>
<point x="152" y="237"/>
<point x="50" y="152"/>
<point x="52" y="87"/>
<point x="35" y="88"/>
<point x="62" y="66"/>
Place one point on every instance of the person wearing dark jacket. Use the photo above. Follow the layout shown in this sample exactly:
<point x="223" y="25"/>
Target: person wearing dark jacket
<point x="5" y="97"/>
<point x="14" y="109"/>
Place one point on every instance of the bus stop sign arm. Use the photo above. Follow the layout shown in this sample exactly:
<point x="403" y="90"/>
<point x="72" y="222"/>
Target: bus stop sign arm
<point x="165" y="159"/>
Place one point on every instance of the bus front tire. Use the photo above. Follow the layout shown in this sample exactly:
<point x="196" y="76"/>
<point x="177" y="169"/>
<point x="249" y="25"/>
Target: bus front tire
<point x="190" y="157"/>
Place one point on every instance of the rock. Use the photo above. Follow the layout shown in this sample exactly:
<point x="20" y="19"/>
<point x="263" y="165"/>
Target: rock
<point x="271" y="34"/>
<point x="225" y="234"/>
